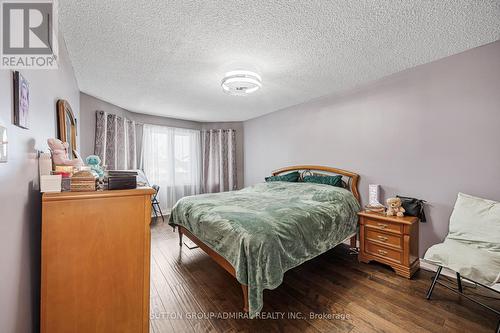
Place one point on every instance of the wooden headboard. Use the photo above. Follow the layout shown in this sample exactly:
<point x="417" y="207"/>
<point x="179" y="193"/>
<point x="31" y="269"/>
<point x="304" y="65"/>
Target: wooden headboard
<point x="351" y="177"/>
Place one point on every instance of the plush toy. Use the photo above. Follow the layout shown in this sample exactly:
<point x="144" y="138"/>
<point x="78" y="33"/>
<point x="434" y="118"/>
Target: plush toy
<point x="95" y="165"/>
<point x="394" y="207"/>
<point x="59" y="152"/>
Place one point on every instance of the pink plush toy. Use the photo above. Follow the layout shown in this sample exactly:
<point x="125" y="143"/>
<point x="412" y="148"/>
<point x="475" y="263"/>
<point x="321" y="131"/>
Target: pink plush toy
<point x="59" y="152"/>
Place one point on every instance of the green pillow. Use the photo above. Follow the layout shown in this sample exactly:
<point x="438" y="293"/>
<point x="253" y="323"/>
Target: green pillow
<point x="328" y="180"/>
<point x="289" y="177"/>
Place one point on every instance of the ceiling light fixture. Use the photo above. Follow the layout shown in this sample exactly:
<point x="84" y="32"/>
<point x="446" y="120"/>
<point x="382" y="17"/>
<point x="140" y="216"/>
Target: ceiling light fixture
<point x="241" y="83"/>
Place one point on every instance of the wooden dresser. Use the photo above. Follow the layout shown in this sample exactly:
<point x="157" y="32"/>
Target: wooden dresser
<point x="95" y="261"/>
<point x="390" y="240"/>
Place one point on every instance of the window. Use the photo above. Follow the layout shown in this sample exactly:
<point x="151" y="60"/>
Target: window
<point x="172" y="160"/>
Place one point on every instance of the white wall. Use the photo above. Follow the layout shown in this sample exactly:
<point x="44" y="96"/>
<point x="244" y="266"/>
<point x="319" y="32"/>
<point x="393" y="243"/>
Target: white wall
<point x="89" y="105"/>
<point x="428" y="132"/>
<point x="20" y="207"/>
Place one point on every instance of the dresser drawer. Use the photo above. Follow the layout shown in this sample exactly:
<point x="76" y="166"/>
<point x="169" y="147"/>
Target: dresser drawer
<point x="384" y="252"/>
<point x="381" y="237"/>
<point x="383" y="225"/>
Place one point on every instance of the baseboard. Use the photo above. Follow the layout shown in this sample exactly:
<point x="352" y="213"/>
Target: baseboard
<point x="430" y="267"/>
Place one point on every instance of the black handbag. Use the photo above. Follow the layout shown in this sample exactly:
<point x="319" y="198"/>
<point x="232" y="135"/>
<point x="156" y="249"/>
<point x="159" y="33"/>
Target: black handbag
<point x="413" y="207"/>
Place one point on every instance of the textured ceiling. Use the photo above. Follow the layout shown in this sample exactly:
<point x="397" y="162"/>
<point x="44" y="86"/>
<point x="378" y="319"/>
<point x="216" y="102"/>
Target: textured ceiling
<point x="168" y="57"/>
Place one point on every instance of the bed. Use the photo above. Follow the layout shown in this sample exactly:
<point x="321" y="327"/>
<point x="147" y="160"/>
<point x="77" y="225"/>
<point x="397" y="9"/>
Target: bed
<point x="260" y="232"/>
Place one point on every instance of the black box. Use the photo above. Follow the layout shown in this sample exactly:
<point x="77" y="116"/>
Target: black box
<point x="122" y="182"/>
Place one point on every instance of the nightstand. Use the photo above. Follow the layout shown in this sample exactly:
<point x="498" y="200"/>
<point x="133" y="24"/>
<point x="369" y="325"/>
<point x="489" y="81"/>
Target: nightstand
<point x="390" y="240"/>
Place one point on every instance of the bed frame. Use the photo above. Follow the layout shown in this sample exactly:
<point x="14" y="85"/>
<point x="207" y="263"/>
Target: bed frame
<point x="350" y="180"/>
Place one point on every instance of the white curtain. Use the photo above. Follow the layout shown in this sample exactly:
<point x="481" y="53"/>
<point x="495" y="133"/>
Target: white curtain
<point x="219" y="160"/>
<point x="172" y="160"/>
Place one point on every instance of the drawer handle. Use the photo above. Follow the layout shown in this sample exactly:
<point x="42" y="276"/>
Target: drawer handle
<point x="382" y="252"/>
<point x="382" y="238"/>
<point x="382" y="225"/>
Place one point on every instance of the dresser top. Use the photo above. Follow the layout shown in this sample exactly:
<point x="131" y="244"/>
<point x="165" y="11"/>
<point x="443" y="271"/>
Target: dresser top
<point x="383" y="217"/>
<point x="60" y="196"/>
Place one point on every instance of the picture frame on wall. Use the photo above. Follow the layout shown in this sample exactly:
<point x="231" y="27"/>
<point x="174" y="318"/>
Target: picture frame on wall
<point x="21" y="100"/>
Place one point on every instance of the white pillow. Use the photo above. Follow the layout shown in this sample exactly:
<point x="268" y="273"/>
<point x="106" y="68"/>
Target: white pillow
<point x="476" y="221"/>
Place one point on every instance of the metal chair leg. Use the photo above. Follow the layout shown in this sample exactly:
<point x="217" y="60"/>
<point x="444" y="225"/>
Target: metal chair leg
<point x="433" y="284"/>
<point x="459" y="282"/>
<point x="154" y="211"/>
<point x="161" y="213"/>
<point x="498" y="327"/>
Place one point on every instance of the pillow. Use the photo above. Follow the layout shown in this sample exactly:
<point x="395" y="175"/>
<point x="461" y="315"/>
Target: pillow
<point x="476" y="221"/>
<point x="289" y="177"/>
<point x="328" y="180"/>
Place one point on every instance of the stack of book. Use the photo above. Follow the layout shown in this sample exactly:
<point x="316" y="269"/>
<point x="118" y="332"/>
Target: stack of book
<point x="375" y="208"/>
<point x="83" y="181"/>
<point x="122" y="179"/>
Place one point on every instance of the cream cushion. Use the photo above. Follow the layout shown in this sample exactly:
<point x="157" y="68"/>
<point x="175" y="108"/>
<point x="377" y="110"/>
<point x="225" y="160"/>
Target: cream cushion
<point x="479" y="265"/>
<point x="472" y="246"/>
<point x="476" y="221"/>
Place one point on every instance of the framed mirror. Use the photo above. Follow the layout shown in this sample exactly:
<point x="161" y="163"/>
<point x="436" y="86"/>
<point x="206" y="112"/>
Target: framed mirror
<point x="66" y="126"/>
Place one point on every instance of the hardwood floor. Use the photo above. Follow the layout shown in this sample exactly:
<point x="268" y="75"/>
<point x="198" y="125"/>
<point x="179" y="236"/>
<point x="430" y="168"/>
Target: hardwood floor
<point x="190" y="293"/>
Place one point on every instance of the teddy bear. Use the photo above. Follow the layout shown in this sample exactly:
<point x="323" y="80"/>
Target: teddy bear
<point x="394" y="207"/>
<point x="59" y="152"/>
<point x="95" y="165"/>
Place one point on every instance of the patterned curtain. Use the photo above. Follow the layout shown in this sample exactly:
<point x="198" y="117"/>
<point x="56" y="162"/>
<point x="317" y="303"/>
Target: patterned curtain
<point x="218" y="160"/>
<point x="116" y="141"/>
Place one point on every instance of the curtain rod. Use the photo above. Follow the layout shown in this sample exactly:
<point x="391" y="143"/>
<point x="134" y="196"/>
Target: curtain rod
<point x="181" y="127"/>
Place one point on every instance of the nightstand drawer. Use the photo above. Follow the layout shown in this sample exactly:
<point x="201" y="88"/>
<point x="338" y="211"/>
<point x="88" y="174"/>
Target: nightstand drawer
<point x="385" y="238"/>
<point x="384" y="252"/>
<point x="384" y="225"/>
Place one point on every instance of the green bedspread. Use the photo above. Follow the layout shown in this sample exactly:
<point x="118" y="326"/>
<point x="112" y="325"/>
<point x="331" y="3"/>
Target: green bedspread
<point x="267" y="229"/>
